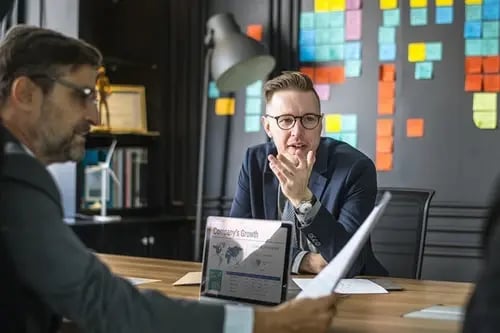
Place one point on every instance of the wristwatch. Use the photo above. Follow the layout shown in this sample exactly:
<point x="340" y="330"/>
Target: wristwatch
<point x="305" y="206"/>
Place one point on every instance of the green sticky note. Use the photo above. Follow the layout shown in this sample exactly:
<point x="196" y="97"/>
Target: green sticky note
<point x="352" y="68"/>
<point x="434" y="51"/>
<point x="484" y="101"/>
<point x="473" y="47"/>
<point x="386" y="35"/>
<point x="332" y="135"/>
<point x="252" y="123"/>
<point x="485" y="119"/>
<point x="213" y="92"/>
<point x="423" y="70"/>
<point x="349" y="122"/>
<point x="307" y="20"/>
<point x="491" y="29"/>
<point x="489" y="47"/>
<point x="473" y="12"/>
<point x="418" y="16"/>
<point x="391" y="18"/>
<point x="337" y="35"/>
<point x="322" y="20"/>
<point x="336" y="52"/>
<point x="322" y="53"/>
<point x="254" y="89"/>
<point x="337" y="19"/>
<point x="350" y="138"/>
<point x="322" y="36"/>
<point x="253" y="105"/>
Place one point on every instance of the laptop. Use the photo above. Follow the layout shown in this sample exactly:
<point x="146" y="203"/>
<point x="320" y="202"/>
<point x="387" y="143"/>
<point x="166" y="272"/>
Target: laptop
<point x="246" y="261"/>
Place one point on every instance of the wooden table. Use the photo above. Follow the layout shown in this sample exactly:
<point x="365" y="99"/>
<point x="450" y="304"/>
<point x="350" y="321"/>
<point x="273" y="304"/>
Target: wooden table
<point x="356" y="313"/>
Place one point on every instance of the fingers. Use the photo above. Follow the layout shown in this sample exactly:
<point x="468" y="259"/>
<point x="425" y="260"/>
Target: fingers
<point x="311" y="158"/>
<point x="277" y="165"/>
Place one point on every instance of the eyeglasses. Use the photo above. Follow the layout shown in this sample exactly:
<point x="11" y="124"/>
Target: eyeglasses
<point x="287" y="121"/>
<point x="87" y="94"/>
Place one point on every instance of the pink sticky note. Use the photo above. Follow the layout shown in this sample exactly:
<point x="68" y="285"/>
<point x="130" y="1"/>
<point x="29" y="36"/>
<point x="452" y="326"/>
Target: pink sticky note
<point x="323" y="91"/>
<point x="353" y="4"/>
<point x="353" y="25"/>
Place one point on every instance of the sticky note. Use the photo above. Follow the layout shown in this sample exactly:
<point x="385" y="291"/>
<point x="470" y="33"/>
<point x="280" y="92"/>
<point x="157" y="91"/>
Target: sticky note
<point x="352" y="50"/>
<point x="473" y="13"/>
<point x="353" y="4"/>
<point x="253" y="105"/>
<point x="386" y="35"/>
<point x="473" y="2"/>
<point x="336" y="136"/>
<point x="491" y="11"/>
<point x="423" y="70"/>
<point x="352" y="68"/>
<point x="491" y="64"/>
<point x="306" y="37"/>
<point x="252" y="123"/>
<point x="385" y="127"/>
<point x="386" y="106"/>
<point x="322" y="20"/>
<point x="473" y="47"/>
<point x="353" y="25"/>
<point x="472" y="29"/>
<point x="473" y="64"/>
<point x="323" y="91"/>
<point x="416" y="52"/>
<point x="349" y="138"/>
<point x="418" y="3"/>
<point x="307" y="53"/>
<point x="336" y="52"/>
<point x="322" y="36"/>
<point x="491" y="29"/>
<point x="415" y="127"/>
<point x="309" y="71"/>
<point x="224" y="106"/>
<point x="386" y="90"/>
<point x="333" y="123"/>
<point x="337" y="75"/>
<point x="349" y="122"/>
<point x="307" y="20"/>
<point x="337" y="19"/>
<point x="433" y="51"/>
<point x="337" y="5"/>
<point x="255" y="31"/>
<point x="213" y="91"/>
<point x="473" y="82"/>
<point x="387" y="52"/>
<point x="383" y="161"/>
<point x="337" y="35"/>
<point x="484" y="101"/>
<point x="491" y="83"/>
<point x="489" y="46"/>
<point x="418" y="16"/>
<point x="485" y="119"/>
<point x="391" y="18"/>
<point x="384" y="144"/>
<point x="323" y="53"/>
<point x="444" y="3"/>
<point x="388" y="4"/>
<point x="321" y="5"/>
<point x="387" y="72"/>
<point x="254" y="89"/>
<point x="322" y="75"/>
<point x="444" y="15"/>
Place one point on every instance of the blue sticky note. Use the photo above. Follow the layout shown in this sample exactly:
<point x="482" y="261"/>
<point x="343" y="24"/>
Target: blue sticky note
<point x="491" y="12"/>
<point x="254" y="89"/>
<point x="491" y="29"/>
<point x="307" y="53"/>
<point x="352" y="68"/>
<point x="473" y="47"/>
<point x="253" y="105"/>
<point x="332" y="135"/>
<point x="472" y="29"/>
<point x="434" y="51"/>
<point x="423" y="70"/>
<point x="349" y="138"/>
<point x="337" y="35"/>
<point x="489" y="47"/>
<point x="473" y="12"/>
<point x="213" y="91"/>
<point x="418" y="16"/>
<point x="387" y="52"/>
<point x="322" y="20"/>
<point x="491" y="1"/>
<point x="352" y="50"/>
<point x="252" y="123"/>
<point x="306" y="37"/>
<point x="322" y="36"/>
<point x="349" y="122"/>
<point x="337" y="19"/>
<point x="391" y="18"/>
<point x="386" y="35"/>
<point x="444" y="15"/>
<point x="307" y="20"/>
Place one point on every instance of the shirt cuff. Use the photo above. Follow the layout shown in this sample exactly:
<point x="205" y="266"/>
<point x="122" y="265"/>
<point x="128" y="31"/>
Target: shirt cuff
<point x="297" y="261"/>
<point x="238" y="319"/>
<point x="305" y="220"/>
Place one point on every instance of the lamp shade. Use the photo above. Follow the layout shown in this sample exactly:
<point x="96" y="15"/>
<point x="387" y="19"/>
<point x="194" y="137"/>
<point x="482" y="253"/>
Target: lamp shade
<point x="237" y="59"/>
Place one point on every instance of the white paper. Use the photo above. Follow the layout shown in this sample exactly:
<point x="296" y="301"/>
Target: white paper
<point x="325" y="282"/>
<point x="349" y="286"/>
<point x="189" y="279"/>
<point x="442" y="312"/>
<point x="137" y="281"/>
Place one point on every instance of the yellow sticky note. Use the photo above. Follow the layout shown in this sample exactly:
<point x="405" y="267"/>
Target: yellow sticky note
<point x="337" y="5"/>
<point x="485" y="119"/>
<point x="418" y="3"/>
<point x="416" y="52"/>
<point x="333" y="123"/>
<point x="484" y="101"/>
<point x="224" y="106"/>
<point x="388" y="4"/>
<point x="473" y="2"/>
<point x="321" y="5"/>
<point x="444" y="3"/>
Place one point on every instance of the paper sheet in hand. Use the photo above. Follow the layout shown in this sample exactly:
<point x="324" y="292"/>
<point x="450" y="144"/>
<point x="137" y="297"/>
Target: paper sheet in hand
<point x="325" y="282"/>
<point x="349" y="286"/>
<point x="137" y="281"/>
<point x="190" y="279"/>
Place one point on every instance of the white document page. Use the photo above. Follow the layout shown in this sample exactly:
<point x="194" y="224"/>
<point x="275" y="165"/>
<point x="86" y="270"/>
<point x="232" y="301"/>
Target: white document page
<point x="349" y="286"/>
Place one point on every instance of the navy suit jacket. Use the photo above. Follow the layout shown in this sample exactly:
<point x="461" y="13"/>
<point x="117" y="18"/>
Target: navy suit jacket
<point x="344" y="181"/>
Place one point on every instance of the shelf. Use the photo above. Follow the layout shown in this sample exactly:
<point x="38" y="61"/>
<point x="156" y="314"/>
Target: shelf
<point x="104" y="139"/>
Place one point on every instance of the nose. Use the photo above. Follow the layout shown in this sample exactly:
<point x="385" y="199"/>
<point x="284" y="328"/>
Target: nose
<point x="93" y="115"/>
<point x="297" y="128"/>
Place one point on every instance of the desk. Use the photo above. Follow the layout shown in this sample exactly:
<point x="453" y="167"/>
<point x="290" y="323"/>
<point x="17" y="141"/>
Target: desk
<point x="356" y="313"/>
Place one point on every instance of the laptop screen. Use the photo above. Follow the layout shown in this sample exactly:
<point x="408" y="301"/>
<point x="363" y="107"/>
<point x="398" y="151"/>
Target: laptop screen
<point x="246" y="260"/>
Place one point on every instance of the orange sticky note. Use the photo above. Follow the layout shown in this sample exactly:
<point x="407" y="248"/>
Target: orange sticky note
<point x="415" y="127"/>
<point x="385" y="144"/>
<point x="383" y="161"/>
<point x="385" y="127"/>
<point x="491" y="83"/>
<point x="337" y="74"/>
<point x="224" y="106"/>
<point x="386" y="106"/>
<point x="255" y="31"/>
<point x="322" y="75"/>
<point x="387" y="72"/>
<point x="309" y="71"/>
<point x="473" y="82"/>
<point x="386" y="90"/>
<point x="473" y="65"/>
<point x="491" y="64"/>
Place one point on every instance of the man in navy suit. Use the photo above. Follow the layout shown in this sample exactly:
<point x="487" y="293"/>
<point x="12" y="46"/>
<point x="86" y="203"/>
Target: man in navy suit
<point x="325" y="186"/>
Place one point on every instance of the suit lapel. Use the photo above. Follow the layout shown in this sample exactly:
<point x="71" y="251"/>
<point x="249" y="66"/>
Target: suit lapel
<point x="317" y="181"/>
<point x="270" y="196"/>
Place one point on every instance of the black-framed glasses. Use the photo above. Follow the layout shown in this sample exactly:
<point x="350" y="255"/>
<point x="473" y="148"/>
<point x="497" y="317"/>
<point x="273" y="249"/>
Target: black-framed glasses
<point x="287" y="121"/>
<point x="87" y="94"/>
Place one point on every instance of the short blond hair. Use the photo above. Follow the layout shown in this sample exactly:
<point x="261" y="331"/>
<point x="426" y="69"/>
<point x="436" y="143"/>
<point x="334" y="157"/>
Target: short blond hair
<point x="289" y="80"/>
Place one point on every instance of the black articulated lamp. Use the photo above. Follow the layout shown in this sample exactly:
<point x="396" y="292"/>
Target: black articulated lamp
<point x="235" y="61"/>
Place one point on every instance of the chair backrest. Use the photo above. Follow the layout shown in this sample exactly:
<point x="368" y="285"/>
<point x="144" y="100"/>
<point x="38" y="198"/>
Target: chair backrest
<point x="399" y="238"/>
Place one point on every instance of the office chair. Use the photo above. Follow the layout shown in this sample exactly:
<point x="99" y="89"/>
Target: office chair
<point x="399" y="238"/>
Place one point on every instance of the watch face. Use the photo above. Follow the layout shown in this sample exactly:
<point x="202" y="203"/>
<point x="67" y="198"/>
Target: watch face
<point x="305" y="207"/>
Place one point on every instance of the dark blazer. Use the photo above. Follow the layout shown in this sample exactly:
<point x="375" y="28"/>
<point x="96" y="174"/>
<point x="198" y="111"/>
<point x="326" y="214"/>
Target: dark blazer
<point x="343" y="179"/>
<point x="47" y="273"/>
